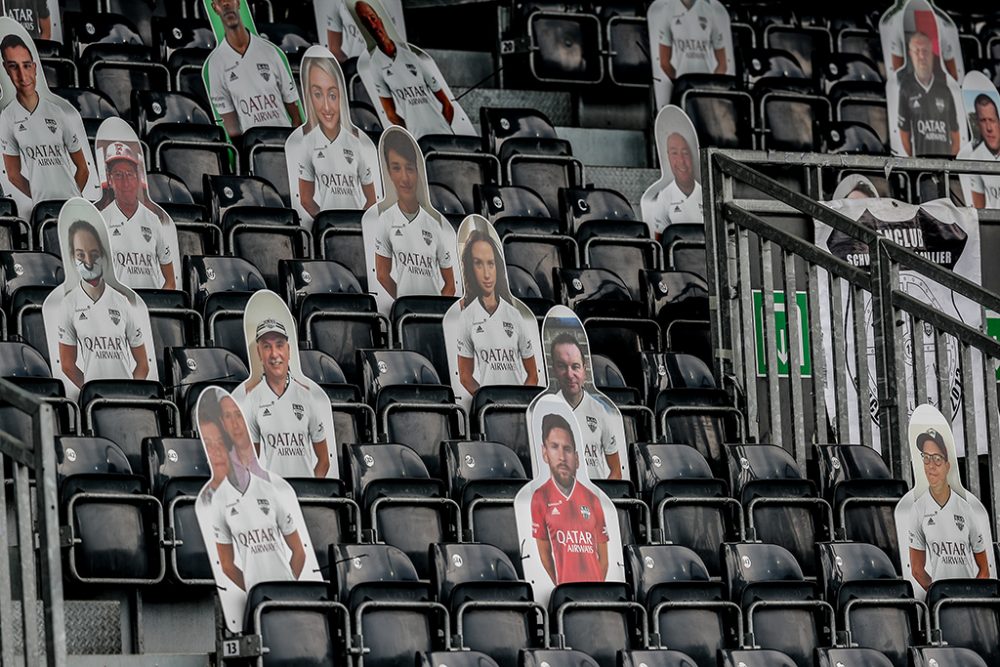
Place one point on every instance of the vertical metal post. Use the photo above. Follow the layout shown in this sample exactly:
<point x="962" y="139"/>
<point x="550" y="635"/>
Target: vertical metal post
<point x="889" y="363"/>
<point x="858" y="297"/>
<point x="770" y="340"/>
<point x="6" y="601"/>
<point x="792" y="319"/>
<point x="745" y="306"/>
<point x="993" y="437"/>
<point x="47" y="499"/>
<point x="838" y="288"/>
<point x="968" y="379"/>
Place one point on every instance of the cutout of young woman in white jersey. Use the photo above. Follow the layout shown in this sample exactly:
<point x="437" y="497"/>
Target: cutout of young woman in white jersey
<point x="96" y="327"/>
<point x="288" y="415"/>
<point x="331" y="163"/>
<point x="143" y="236"/>
<point x="491" y="338"/>
<point x="942" y="528"/>
<point x="46" y="155"/>
<point x="250" y="519"/>
<point x="675" y="198"/>
<point x="409" y="247"/>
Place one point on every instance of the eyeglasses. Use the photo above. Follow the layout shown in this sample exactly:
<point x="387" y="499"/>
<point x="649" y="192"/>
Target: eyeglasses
<point x="936" y="459"/>
<point x="123" y="175"/>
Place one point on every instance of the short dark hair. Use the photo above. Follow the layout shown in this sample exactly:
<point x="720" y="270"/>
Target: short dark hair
<point x="565" y="338"/>
<point x="398" y="141"/>
<point x="84" y="226"/>
<point x="13" y="41"/>
<point x="551" y="422"/>
<point x="983" y="99"/>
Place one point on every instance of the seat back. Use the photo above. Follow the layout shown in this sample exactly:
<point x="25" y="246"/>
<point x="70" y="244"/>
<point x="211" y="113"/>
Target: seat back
<point x="456" y="564"/>
<point x="386" y="368"/>
<point x="655" y="658"/>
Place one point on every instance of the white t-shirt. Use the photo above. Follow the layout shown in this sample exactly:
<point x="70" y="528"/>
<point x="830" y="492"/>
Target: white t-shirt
<point x="694" y="35"/>
<point x="338" y="169"/>
<point x="255" y="523"/>
<point x="419" y="250"/>
<point x="499" y="343"/>
<point x="256" y="85"/>
<point x="337" y="18"/>
<point x="140" y="246"/>
<point x="43" y="139"/>
<point x="672" y="207"/>
<point x="601" y="436"/>
<point x="948" y="535"/>
<point x="987" y="185"/>
<point x="411" y="86"/>
<point x="103" y="333"/>
<point x="286" y="426"/>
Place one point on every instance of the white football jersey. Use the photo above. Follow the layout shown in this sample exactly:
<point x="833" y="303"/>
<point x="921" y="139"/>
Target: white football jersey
<point x="338" y="19"/>
<point x="286" y="427"/>
<point x="140" y="246"/>
<point x="987" y="185"/>
<point x="693" y="36"/>
<point x="948" y="535"/>
<point x="410" y="84"/>
<point x="499" y="343"/>
<point x="103" y="333"/>
<point x="44" y="140"/>
<point x="256" y="523"/>
<point x="338" y="169"/>
<point x="601" y="436"/>
<point x="256" y="85"/>
<point x="419" y="249"/>
<point x="672" y="207"/>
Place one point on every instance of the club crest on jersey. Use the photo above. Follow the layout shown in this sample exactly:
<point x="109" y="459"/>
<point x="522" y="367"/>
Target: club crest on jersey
<point x="411" y="68"/>
<point x="349" y="155"/>
<point x="592" y="423"/>
<point x="703" y="22"/>
<point x="959" y="521"/>
<point x="584" y="511"/>
<point x="52" y="125"/>
<point x="298" y="410"/>
<point x="147" y="233"/>
<point x="264" y="70"/>
<point x="508" y="328"/>
<point x="428" y="237"/>
<point x="115" y="316"/>
<point x="265" y="505"/>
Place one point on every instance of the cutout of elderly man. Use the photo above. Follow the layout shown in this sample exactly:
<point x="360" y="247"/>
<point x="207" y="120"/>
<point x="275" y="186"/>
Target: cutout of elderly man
<point x="680" y="201"/>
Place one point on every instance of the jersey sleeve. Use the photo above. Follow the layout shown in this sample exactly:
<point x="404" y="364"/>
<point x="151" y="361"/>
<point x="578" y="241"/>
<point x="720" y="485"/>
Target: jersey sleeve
<point x="164" y="250"/>
<point x="916" y="531"/>
<point x="289" y="93"/>
<point x="219" y="526"/>
<point x="666" y="32"/>
<point x="286" y="515"/>
<point x="902" y="112"/>
<point x="466" y="348"/>
<point x="976" y="539"/>
<point x="429" y="77"/>
<point x="718" y="34"/>
<point x="133" y="332"/>
<point x="67" y="328"/>
<point x="43" y="9"/>
<point x="365" y="175"/>
<point x="613" y="433"/>
<point x="976" y="183"/>
<point x="950" y="113"/>
<point x="602" y="524"/>
<point x="7" y="138"/>
<point x="378" y="80"/>
<point x="524" y="345"/>
<point x="70" y="137"/>
<point x="317" y="430"/>
<point x="444" y="254"/>
<point x="539" y="529"/>
<point x="218" y="91"/>
<point x="307" y="171"/>
<point x="333" y="20"/>
<point x="383" y="245"/>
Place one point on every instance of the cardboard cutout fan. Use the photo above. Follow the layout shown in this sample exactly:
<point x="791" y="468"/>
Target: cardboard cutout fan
<point x="943" y="529"/>
<point x="143" y="235"/>
<point x="289" y="417"/>
<point x="403" y="82"/>
<point x="676" y="197"/>
<point x="41" y="19"/>
<point x="331" y="163"/>
<point x="248" y="79"/>
<point x="410" y="248"/>
<point x="338" y="31"/>
<point x="46" y="154"/>
<point x="96" y="328"/>
<point x="249" y="518"/>
<point x="491" y="337"/>
<point x="982" y="110"/>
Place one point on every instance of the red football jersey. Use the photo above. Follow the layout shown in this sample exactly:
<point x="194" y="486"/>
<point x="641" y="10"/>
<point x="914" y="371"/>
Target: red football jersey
<point x="573" y="526"/>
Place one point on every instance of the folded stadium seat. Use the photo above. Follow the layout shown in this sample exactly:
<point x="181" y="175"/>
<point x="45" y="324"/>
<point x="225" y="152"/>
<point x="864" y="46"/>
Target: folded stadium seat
<point x="297" y="623"/>
<point x="792" y="121"/>
<point x="94" y="107"/>
<point x="850" y="138"/>
<point x="447" y="203"/>
<point x="116" y="68"/>
<point x="417" y="324"/>
<point x="598" y="618"/>
<point x="301" y="278"/>
<point x="624" y="248"/>
<point x="26" y="278"/>
<point x="781" y="504"/>
<point x="395" y="615"/>
<point x="365" y="118"/>
<point x="60" y="70"/>
<point x="492" y="609"/>
<point x="856" y="481"/>
<point x="140" y="14"/>
<point x="412" y="405"/>
<point x="971" y="47"/>
<point x="189" y="370"/>
<point x="356" y="91"/>
<point x="655" y="658"/>
<point x="455" y="658"/>
<point x="293" y="40"/>
<point x="483" y="477"/>
<point x="810" y="46"/>
<point x="497" y="414"/>
<point x="161" y="116"/>
<point x="113" y="526"/>
<point x="554" y="658"/>
<point x="944" y="656"/>
<point x="684" y="248"/>
<point x="219" y="288"/>
<point x="15" y="234"/>
<point x="627" y="38"/>
<point x="126" y="412"/>
<point x="705" y="82"/>
<point x="330" y="516"/>
<point x="869" y="111"/>
<point x="539" y="255"/>
<point x="24" y="366"/>
<point x="262" y="152"/>
<point x="172" y="321"/>
<point x="340" y="324"/>
<point x="256" y="223"/>
<point x="678" y="301"/>
<point x="756" y="658"/>
<point x="165" y="188"/>
<point x="518" y="208"/>
<point x="524" y="287"/>
<point x="783" y="611"/>
<point x="966" y="613"/>
<point x="721" y="118"/>
<point x="850" y="74"/>
<point x="337" y="236"/>
<point x="554" y="43"/>
<point x="400" y="503"/>
<point x="459" y="163"/>
<point x="637" y="417"/>
<point x="185" y="66"/>
<point x="875" y="606"/>
<point x="177" y="469"/>
<point x="690" y="506"/>
<point x="192" y="160"/>
<point x="854" y="656"/>
<point x="353" y="419"/>
<point x="195" y="234"/>
<point x="863" y="42"/>
<point x="776" y="70"/>
<point x="44" y="223"/>
<point x="579" y="206"/>
<point x="634" y="520"/>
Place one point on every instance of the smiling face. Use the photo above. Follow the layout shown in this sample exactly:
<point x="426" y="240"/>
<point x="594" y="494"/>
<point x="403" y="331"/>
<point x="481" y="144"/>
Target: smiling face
<point x="680" y="160"/>
<point x="215" y="445"/>
<point x="484" y="266"/>
<point x="559" y="452"/>
<point x="403" y="174"/>
<point x="124" y="179"/>
<point x="570" y="370"/>
<point x="236" y="427"/>
<point x="989" y="125"/>
<point x="88" y="255"/>
<point x="325" y="97"/>
<point x="936" y="465"/>
<point x="229" y="12"/>
<point x="20" y="67"/>
<point x="372" y="22"/>
<point x="273" y="351"/>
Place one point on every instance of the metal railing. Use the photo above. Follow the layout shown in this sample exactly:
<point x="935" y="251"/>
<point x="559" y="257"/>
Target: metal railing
<point x="751" y="247"/>
<point x="39" y="571"/>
